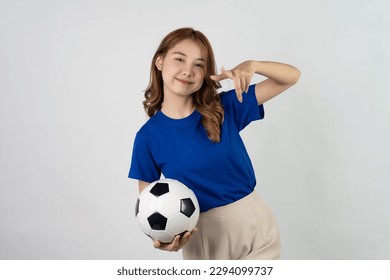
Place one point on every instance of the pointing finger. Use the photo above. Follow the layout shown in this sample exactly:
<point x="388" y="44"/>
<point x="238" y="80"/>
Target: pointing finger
<point x="217" y="78"/>
<point x="223" y="76"/>
<point x="237" y="86"/>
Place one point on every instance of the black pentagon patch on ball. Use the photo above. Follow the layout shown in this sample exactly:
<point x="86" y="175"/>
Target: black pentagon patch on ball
<point x="159" y="189"/>
<point x="137" y="207"/>
<point x="187" y="207"/>
<point x="157" y="221"/>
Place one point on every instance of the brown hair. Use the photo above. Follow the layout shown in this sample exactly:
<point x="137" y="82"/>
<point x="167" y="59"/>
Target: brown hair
<point x="206" y="100"/>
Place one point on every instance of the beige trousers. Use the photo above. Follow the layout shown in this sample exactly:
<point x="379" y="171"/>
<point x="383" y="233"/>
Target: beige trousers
<point x="245" y="229"/>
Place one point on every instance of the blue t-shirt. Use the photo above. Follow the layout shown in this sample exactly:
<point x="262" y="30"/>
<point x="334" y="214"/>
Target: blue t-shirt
<point x="218" y="173"/>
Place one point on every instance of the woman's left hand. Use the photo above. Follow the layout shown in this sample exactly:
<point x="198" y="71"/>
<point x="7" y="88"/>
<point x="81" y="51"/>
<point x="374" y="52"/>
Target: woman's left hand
<point x="241" y="75"/>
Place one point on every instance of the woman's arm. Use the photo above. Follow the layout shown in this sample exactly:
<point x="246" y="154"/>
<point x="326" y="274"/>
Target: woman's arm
<point x="142" y="185"/>
<point x="280" y="76"/>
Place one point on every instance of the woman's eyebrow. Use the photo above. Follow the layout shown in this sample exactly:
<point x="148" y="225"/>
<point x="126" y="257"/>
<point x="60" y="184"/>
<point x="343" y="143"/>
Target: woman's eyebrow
<point x="180" y="53"/>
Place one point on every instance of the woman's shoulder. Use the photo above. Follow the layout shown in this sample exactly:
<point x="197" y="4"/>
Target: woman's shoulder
<point x="149" y="126"/>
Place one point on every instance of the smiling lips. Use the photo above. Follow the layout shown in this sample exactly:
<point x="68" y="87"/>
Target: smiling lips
<point x="184" y="81"/>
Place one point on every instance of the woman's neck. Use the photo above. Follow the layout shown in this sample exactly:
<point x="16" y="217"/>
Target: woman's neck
<point x="178" y="108"/>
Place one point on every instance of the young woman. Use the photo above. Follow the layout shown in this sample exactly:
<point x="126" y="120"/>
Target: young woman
<point x="193" y="136"/>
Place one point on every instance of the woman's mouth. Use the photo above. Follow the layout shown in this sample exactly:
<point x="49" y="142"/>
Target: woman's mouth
<point x="184" y="82"/>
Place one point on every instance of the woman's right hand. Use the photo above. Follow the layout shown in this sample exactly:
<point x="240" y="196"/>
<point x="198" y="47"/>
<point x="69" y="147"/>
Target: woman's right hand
<point x="177" y="243"/>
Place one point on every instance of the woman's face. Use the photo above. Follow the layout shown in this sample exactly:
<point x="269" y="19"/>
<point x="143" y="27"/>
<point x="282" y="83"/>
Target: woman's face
<point x="182" y="68"/>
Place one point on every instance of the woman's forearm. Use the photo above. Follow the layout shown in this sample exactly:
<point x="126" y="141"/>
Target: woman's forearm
<point x="281" y="73"/>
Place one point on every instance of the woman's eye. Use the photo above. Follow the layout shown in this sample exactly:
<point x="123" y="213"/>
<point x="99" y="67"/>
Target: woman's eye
<point x="199" y="65"/>
<point x="179" y="59"/>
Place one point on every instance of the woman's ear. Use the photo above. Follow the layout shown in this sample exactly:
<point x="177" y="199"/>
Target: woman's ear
<point x="159" y="62"/>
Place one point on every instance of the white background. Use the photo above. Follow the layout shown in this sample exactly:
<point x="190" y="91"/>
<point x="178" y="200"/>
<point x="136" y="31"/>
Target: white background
<point x="72" y="75"/>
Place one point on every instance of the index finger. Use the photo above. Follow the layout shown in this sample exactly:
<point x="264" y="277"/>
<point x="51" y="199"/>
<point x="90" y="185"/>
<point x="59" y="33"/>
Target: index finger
<point x="237" y="86"/>
<point x="223" y="76"/>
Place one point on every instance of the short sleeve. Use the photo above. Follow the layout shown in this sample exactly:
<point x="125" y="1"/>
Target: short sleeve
<point x="143" y="166"/>
<point x="245" y="112"/>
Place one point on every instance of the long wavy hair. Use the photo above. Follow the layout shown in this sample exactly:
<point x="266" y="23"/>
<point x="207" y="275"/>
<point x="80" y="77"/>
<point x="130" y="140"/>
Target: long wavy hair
<point x="206" y="99"/>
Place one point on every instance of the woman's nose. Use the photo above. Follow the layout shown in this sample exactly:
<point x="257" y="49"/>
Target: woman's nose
<point x="188" y="70"/>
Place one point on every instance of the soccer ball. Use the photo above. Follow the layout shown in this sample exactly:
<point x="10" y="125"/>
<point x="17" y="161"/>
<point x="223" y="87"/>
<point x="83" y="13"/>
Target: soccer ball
<point x="166" y="208"/>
